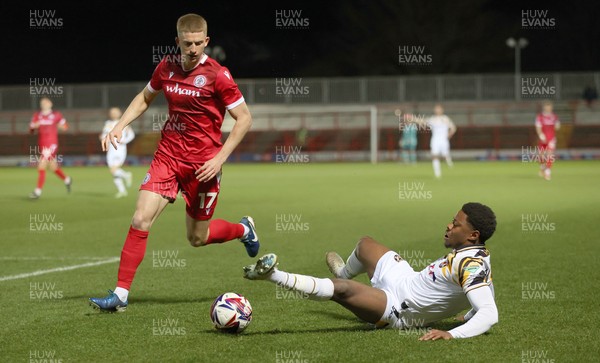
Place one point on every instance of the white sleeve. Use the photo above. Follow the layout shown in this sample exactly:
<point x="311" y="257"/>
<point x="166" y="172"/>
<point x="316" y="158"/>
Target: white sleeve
<point x="486" y="314"/>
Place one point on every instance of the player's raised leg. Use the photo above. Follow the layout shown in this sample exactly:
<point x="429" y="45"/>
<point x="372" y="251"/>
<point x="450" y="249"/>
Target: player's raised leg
<point x="59" y="173"/>
<point x="149" y="206"/>
<point x="365" y="302"/>
<point x="363" y="258"/>
<point x="37" y="192"/>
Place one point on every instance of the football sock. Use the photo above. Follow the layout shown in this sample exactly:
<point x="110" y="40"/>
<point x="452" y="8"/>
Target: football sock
<point x="41" y="179"/>
<point x="122" y="293"/>
<point x="131" y="256"/>
<point x="219" y="231"/>
<point x="437" y="170"/>
<point x="119" y="183"/>
<point x="449" y="161"/>
<point x="353" y="267"/>
<point x="246" y="230"/>
<point x="60" y="174"/>
<point x="315" y="288"/>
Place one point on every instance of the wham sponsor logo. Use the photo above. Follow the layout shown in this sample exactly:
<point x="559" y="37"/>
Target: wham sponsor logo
<point x="182" y="91"/>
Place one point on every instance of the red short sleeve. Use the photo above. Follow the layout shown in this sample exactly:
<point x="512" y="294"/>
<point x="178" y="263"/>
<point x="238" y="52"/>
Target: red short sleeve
<point x="227" y="90"/>
<point x="155" y="83"/>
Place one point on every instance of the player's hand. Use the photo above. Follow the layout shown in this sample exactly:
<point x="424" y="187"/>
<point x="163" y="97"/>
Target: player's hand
<point x="113" y="137"/>
<point x="435" y="334"/>
<point x="209" y="170"/>
<point x="542" y="138"/>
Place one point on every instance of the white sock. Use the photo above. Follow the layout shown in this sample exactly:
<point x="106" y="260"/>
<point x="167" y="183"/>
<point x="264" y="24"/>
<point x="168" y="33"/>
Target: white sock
<point x="353" y="267"/>
<point x="120" y="173"/>
<point x="246" y="230"/>
<point x="449" y="161"/>
<point x="67" y="180"/>
<point x="437" y="169"/>
<point x="121" y="293"/>
<point x="119" y="183"/>
<point x="315" y="288"/>
<point x="37" y="191"/>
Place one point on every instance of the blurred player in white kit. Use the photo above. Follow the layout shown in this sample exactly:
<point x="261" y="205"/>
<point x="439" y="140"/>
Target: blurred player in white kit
<point x="442" y="129"/>
<point x="115" y="158"/>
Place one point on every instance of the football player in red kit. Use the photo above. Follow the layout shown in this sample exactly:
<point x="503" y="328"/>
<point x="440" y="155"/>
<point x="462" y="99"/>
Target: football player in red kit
<point x="190" y="153"/>
<point x="47" y="122"/>
<point x="546" y="124"/>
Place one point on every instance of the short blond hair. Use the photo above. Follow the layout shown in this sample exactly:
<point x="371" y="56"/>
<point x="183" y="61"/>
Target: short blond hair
<point x="192" y="23"/>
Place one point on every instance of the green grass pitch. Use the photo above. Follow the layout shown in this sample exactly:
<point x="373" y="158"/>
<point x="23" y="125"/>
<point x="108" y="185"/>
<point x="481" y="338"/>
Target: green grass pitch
<point x="544" y="257"/>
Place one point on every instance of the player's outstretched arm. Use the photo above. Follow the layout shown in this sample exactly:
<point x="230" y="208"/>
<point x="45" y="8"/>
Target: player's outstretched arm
<point x="243" y="121"/>
<point x="486" y="314"/>
<point x="136" y="108"/>
<point x="452" y="128"/>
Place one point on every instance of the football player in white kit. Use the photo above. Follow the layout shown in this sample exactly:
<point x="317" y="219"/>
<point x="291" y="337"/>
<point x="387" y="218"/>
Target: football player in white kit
<point x="400" y="297"/>
<point x="442" y="129"/>
<point x="115" y="158"/>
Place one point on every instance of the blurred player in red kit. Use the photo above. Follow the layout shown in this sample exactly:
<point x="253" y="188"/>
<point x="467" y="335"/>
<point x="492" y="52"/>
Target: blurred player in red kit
<point x="546" y="124"/>
<point x="47" y="122"/>
<point x="190" y="153"/>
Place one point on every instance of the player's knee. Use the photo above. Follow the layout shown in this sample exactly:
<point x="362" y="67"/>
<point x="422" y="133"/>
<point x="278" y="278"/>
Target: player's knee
<point x="140" y="222"/>
<point x="364" y="244"/>
<point x="196" y="241"/>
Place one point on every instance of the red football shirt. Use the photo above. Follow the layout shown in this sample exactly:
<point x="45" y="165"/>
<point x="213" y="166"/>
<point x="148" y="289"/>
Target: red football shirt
<point x="197" y="102"/>
<point x="48" y="130"/>
<point x="548" y="124"/>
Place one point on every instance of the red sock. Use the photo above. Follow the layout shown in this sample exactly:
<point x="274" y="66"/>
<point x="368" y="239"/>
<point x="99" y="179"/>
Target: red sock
<point x="41" y="178"/>
<point x="222" y="231"/>
<point x="60" y="174"/>
<point x="131" y="256"/>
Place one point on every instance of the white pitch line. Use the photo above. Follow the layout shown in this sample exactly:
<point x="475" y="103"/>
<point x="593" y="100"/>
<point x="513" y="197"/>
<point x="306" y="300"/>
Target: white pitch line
<point x="58" y="269"/>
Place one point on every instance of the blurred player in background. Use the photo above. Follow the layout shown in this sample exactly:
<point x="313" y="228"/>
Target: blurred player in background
<point x="408" y="139"/>
<point x="546" y="125"/>
<point x="401" y="297"/>
<point x="190" y="153"/>
<point x="47" y="122"/>
<point x="442" y="129"/>
<point x="115" y="158"/>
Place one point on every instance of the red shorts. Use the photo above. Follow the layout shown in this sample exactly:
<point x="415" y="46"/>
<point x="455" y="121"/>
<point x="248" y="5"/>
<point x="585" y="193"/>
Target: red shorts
<point x="168" y="176"/>
<point x="47" y="152"/>
<point x="549" y="145"/>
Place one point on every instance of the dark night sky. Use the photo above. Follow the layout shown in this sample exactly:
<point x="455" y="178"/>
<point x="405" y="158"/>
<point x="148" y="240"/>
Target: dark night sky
<point x="111" y="41"/>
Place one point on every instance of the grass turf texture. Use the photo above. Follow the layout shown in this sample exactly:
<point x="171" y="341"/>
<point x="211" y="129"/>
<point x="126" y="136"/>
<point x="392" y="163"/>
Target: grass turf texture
<point x="339" y="203"/>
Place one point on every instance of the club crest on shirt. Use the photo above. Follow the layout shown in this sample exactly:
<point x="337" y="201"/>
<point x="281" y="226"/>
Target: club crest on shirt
<point x="199" y="81"/>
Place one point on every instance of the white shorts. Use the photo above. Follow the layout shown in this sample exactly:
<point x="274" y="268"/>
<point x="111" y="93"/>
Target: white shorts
<point x="440" y="147"/>
<point x="391" y="275"/>
<point x="116" y="158"/>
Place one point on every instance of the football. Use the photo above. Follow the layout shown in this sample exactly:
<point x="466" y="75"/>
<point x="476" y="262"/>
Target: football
<point x="231" y="312"/>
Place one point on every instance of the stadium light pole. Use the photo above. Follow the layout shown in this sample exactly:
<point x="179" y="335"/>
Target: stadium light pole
<point x="518" y="44"/>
